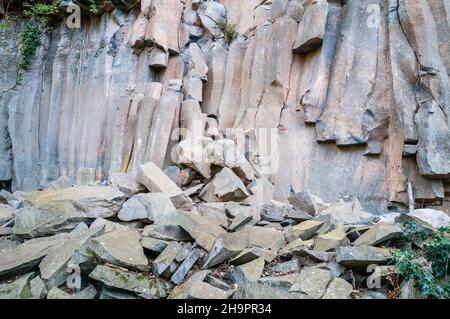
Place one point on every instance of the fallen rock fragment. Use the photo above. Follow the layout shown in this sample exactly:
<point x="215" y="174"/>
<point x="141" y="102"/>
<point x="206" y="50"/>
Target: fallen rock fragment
<point x="54" y="267"/>
<point x="228" y="187"/>
<point x="148" y="288"/>
<point x="120" y="248"/>
<point x="259" y="291"/>
<point x="186" y="266"/>
<point x="362" y="256"/>
<point x="167" y="256"/>
<point x="307" y="202"/>
<point x="304" y="230"/>
<point x="49" y="212"/>
<point x="378" y="234"/>
<point x="6" y="213"/>
<point x="126" y="183"/>
<point x="312" y="281"/>
<point x="18" y="289"/>
<point x="155" y="180"/>
<point x="338" y="289"/>
<point x="251" y="271"/>
<point x="331" y="240"/>
<point x="154" y="207"/>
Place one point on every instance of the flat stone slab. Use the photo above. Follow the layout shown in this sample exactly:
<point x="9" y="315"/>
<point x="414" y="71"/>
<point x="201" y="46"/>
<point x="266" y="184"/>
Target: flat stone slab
<point x="49" y="212"/>
<point x="146" y="287"/>
<point x="120" y="248"/>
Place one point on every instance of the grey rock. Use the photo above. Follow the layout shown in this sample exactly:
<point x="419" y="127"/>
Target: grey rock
<point x="312" y="281"/>
<point x="165" y="259"/>
<point x="26" y="256"/>
<point x="258" y="291"/>
<point x="155" y="207"/>
<point x="127" y="183"/>
<point x="120" y="248"/>
<point x="280" y="282"/>
<point x="50" y="212"/>
<point x="186" y="266"/>
<point x="338" y="289"/>
<point x="54" y="267"/>
<point x="197" y="290"/>
<point x="293" y="265"/>
<point x="37" y="288"/>
<point x="362" y="256"/>
<point x="18" y="289"/>
<point x="307" y="202"/>
<point x="153" y="244"/>
<point x="148" y="288"/>
<point x="250" y="271"/>
<point x="378" y="233"/>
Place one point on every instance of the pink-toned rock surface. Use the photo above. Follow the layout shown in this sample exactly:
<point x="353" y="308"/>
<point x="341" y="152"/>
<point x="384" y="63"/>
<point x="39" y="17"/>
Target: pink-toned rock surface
<point x="357" y="94"/>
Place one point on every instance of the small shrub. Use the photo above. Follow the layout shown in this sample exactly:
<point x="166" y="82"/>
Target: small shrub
<point x="8" y="22"/>
<point x="230" y="30"/>
<point x="428" y="266"/>
<point x="93" y="6"/>
<point x="30" y="42"/>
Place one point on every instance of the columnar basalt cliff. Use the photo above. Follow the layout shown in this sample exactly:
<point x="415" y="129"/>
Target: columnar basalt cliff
<point x="357" y="93"/>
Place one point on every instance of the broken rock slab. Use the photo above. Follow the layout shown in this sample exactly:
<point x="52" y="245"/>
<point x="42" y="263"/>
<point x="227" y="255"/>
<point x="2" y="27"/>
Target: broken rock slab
<point x="18" y="289"/>
<point x="6" y="213"/>
<point x="26" y="256"/>
<point x="50" y="212"/>
<point x="228" y="187"/>
<point x="308" y="203"/>
<point x="127" y="183"/>
<point x="348" y="213"/>
<point x="251" y="271"/>
<point x="166" y="258"/>
<point x="378" y="234"/>
<point x="259" y="291"/>
<point x="155" y="180"/>
<point x="431" y="217"/>
<point x="148" y="288"/>
<point x="338" y="289"/>
<point x="186" y="266"/>
<point x="331" y="240"/>
<point x="198" y="290"/>
<point x="120" y="248"/>
<point x="154" y="207"/>
<point x="360" y="257"/>
<point x="54" y="267"/>
<point x="202" y="229"/>
<point x="312" y="281"/>
<point x="304" y="230"/>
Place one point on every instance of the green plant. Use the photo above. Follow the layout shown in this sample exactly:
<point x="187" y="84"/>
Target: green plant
<point x="30" y="42"/>
<point x="411" y="268"/>
<point x="230" y="30"/>
<point x="413" y="232"/>
<point x="429" y="265"/>
<point x="45" y="8"/>
<point x="19" y="78"/>
<point x="437" y="250"/>
<point x="8" y="22"/>
<point x="93" y="6"/>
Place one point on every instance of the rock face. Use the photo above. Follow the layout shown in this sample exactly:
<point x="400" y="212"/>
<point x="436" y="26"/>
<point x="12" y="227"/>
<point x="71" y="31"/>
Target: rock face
<point x="244" y="138"/>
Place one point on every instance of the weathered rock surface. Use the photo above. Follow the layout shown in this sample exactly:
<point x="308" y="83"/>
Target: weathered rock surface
<point x="325" y="122"/>
<point x="149" y="288"/>
<point x="120" y="248"/>
<point x="48" y="212"/>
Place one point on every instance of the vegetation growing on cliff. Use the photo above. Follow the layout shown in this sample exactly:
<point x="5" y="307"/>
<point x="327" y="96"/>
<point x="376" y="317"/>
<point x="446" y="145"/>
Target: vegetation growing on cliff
<point x="36" y="13"/>
<point x="428" y="267"/>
